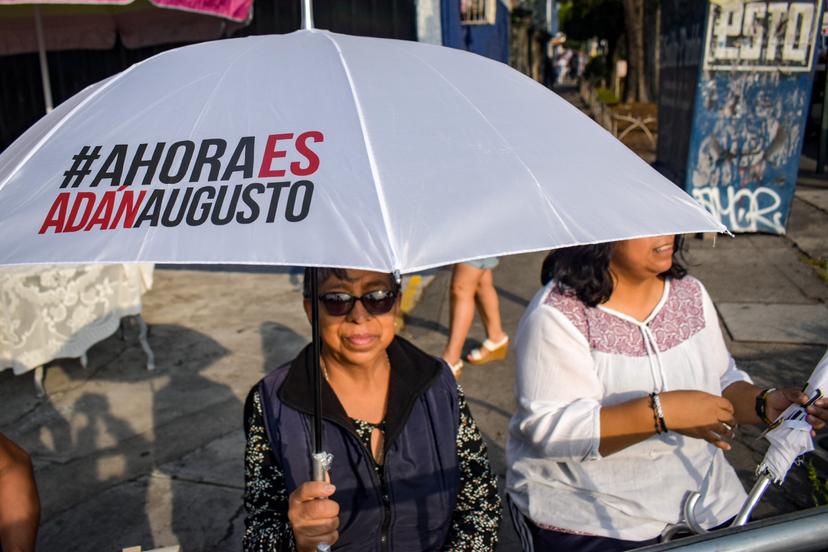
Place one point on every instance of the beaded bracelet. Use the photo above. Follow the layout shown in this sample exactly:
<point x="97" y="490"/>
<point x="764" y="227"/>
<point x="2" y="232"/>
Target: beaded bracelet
<point x="658" y="413"/>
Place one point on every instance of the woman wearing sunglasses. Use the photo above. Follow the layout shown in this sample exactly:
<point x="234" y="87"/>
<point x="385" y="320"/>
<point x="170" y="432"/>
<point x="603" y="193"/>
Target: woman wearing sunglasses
<point x="410" y="469"/>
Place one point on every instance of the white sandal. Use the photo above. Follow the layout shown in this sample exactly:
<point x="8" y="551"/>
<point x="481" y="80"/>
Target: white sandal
<point x="489" y="351"/>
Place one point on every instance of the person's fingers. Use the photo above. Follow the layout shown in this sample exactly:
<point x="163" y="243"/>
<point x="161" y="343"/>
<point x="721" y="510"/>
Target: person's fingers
<point x="725" y="405"/>
<point x="727" y="417"/>
<point x="311" y="490"/>
<point x="818" y="412"/>
<point x="817" y="423"/>
<point x="320" y="509"/>
<point x="715" y="438"/>
<point x="318" y="527"/>
<point x="328" y="538"/>
<point x="795" y="396"/>
<point x="719" y="443"/>
<point x="725" y="430"/>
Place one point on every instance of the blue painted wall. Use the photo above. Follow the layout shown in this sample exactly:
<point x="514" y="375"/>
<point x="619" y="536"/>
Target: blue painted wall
<point x="491" y="41"/>
<point x="740" y="122"/>
<point x="745" y="145"/>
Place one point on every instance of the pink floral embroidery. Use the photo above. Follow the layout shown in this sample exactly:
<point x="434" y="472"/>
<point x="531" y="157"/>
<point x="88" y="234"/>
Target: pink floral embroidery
<point x="681" y="317"/>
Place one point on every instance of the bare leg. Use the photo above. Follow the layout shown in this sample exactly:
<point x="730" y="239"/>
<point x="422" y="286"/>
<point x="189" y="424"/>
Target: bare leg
<point x="464" y="283"/>
<point x="488" y="305"/>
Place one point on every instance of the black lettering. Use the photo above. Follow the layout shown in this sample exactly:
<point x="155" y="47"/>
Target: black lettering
<point x="167" y="218"/>
<point x="152" y="209"/>
<point x="117" y="157"/>
<point x="151" y="164"/>
<point x="216" y="217"/>
<point x="166" y="177"/>
<point x="290" y="212"/>
<point x="192" y="220"/>
<point x="250" y="202"/>
<point x="277" y="188"/>
<point x="204" y="157"/>
<point x="246" y="147"/>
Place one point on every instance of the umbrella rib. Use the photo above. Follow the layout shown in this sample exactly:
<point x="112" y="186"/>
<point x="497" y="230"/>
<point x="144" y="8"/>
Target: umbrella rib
<point x="502" y="139"/>
<point x="216" y="86"/>
<point x="370" y="152"/>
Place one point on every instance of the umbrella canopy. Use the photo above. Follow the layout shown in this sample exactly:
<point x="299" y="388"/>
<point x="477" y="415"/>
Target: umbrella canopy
<point x="321" y="149"/>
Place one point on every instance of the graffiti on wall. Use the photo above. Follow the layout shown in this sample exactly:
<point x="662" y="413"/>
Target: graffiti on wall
<point x="764" y="35"/>
<point x="751" y="106"/>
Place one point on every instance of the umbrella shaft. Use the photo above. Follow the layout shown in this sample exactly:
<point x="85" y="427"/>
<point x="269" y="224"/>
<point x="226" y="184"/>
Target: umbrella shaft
<point x="752" y="500"/>
<point x="316" y="376"/>
<point x="307" y="14"/>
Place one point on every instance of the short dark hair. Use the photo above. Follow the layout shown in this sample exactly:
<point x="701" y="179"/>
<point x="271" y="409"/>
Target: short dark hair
<point x="584" y="270"/>
<point x="341" y="273"/>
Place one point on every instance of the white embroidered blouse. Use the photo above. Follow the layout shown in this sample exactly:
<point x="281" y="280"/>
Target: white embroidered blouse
<point x="572" y="360"/>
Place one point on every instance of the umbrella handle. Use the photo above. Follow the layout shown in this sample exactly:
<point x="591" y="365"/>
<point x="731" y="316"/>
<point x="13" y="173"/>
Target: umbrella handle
<point x="752" y="500"/>
<point x="690" y="513"/>
<point x="689" y="522"/>
<point x="321" y="465"/>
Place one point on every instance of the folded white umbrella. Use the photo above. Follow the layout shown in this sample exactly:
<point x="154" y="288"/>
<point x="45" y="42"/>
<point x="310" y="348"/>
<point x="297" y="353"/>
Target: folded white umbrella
<point x="790" y="436"/>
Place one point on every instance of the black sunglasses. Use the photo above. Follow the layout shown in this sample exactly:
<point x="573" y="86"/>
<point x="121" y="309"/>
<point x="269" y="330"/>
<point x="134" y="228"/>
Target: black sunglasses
<point x="376" y="302"/>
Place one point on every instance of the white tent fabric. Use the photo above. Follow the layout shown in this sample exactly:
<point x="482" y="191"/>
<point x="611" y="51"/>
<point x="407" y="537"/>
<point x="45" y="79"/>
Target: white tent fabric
<point x="792" y="437"/>
<point x="321" y="149"/>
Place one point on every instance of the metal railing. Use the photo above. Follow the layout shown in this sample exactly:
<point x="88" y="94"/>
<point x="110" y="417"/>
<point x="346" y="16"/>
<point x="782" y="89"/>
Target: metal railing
<point x="802" y="531"/>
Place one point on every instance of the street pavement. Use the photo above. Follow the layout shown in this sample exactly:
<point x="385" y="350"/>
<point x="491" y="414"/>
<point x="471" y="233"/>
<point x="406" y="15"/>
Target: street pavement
<point x="127" y="457"/>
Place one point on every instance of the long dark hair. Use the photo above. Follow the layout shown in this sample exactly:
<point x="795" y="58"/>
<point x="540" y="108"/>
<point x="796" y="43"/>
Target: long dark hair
<point x="584" y="269"/>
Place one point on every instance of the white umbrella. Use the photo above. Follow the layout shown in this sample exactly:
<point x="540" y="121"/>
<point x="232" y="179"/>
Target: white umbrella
<point x="322" y="149"/>
<point x="789" y="437"/>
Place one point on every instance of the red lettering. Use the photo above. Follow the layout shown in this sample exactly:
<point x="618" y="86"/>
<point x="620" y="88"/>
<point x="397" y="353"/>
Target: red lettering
<point x="310" y="155"/>
<point x="103" y="213"/>
<point x="57" y="214"/>
<point x="271" y="153"/>
<point x="129" y="206"/>
<point x="85" y="200"/>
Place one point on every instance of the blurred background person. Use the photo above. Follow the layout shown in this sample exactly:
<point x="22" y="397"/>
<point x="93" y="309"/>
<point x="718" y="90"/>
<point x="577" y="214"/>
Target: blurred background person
<point x="472" y="283"/>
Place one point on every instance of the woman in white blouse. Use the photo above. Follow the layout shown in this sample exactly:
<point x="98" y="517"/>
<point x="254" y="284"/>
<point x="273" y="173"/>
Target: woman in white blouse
<point x="626" y="398"/>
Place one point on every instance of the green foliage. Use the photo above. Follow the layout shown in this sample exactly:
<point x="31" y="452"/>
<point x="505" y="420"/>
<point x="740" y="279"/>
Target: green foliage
<point x="819" y="486"/>
<point x="585" y="19"/>
<point x="596" y="70"/>
<point x="606" y="96"/>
